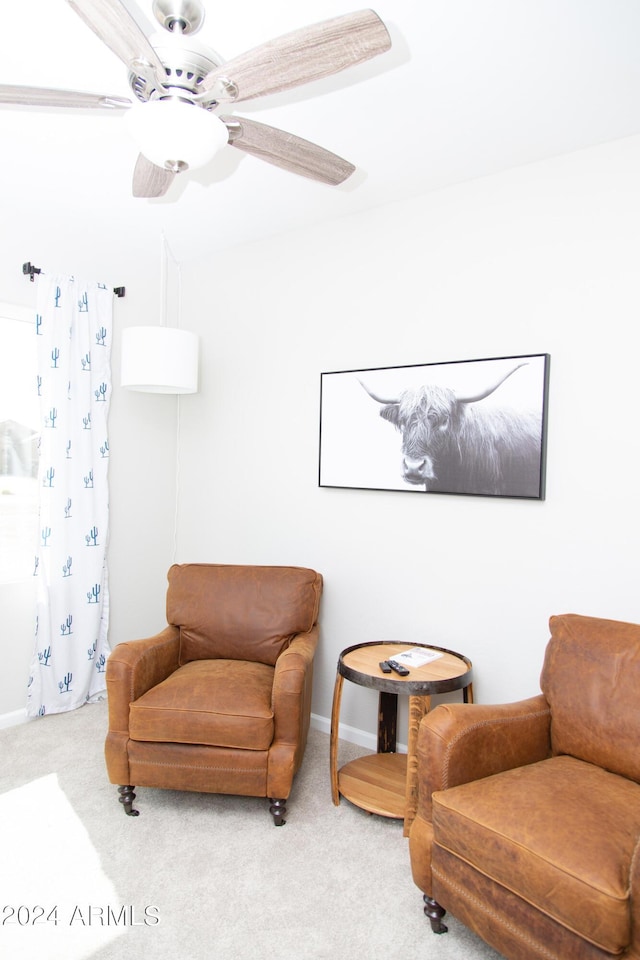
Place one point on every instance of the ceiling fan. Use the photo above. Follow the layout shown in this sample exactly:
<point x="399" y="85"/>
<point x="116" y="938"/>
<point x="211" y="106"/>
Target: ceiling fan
<point x="179" y="83"/>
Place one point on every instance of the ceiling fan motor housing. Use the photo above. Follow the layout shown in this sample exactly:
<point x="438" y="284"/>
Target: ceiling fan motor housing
<point x="172" y="121"/>
<point x="186" y="63"/>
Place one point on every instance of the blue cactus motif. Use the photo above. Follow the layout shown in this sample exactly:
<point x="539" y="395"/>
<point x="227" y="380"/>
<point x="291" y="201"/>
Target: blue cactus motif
<point x="44" y="656"/>
<point x="101" y="663"/>
<point x="50" y="421"/>
<point x="88" y="480"/>
<point x="83" y="303"/>
<point x="94" y="593"/>
<point x="101" y="393"/>
<point x="39" y="383"/>
<point x="57" y="296"/>
<point x="86" y="362"/>
<point x="42" y="711"/>
<point x="55" y="356"/>
<point x="91" y="652"/>
<point x="38" y="324"/>
<point x="46" y="533"/>
<point x="65" y="683"/>
<point x="68" y="451"/>
<point x="104" y="449"/>
<point x="67" y="509"/>
<point x="47" y="480"/>
<point x="65" y="628"/>
<point x="87" y="421"/>
<point x="66" y="569"/>
<point x="101" y="337"/>
<point x="92" y="537"/>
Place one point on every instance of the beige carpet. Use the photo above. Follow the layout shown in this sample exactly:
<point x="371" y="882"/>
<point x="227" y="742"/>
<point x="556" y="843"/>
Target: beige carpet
<point x="197" y="876"/>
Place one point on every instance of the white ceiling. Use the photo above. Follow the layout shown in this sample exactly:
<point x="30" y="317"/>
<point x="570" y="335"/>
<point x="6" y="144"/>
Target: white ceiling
<point x="469" y="88"/>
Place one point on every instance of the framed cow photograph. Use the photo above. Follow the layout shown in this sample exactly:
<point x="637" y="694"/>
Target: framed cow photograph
<point x="471" y="427"/>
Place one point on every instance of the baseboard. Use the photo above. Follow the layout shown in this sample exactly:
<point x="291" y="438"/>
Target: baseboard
<point x="14" y="718"/>
<point x="345" y="732"/>
<point x="351" y="734"/>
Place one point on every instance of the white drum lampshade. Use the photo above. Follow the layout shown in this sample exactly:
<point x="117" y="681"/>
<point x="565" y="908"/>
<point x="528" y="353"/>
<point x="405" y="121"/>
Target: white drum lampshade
<point x="159" y="360"/>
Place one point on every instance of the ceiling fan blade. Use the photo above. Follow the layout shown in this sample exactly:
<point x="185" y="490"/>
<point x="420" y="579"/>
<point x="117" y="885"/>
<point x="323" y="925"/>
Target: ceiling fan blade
<point x="113" y="24"/>
<point x="303" y="55"/>
<point x="150" y="180"/>
<point x="287" y="151"/>
<point x="44" y="97"/>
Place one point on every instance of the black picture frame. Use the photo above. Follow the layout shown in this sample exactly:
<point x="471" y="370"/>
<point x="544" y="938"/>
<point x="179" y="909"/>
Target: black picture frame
<point x="464" y="427"/>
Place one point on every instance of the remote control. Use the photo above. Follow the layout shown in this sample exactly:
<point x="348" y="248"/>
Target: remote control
<point x="399" y="669"/>
<point x="384" y="666"/>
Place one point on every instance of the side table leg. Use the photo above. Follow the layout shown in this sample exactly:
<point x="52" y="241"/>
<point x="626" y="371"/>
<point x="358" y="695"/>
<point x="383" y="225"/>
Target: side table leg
<point x="333" y="749"/>
<point x="418" y="707"/>
<point x="387" y="722"/>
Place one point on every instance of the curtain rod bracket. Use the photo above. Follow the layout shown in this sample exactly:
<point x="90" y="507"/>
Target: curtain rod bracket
<point x="28" y="268"/>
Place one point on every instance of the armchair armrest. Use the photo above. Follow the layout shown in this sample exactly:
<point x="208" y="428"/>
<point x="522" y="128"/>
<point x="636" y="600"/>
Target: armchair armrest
<point x="459" y="742"/>
<point x="291" y="704"/>
<point x="292" y="685"/>
<point x="134" y="667"/>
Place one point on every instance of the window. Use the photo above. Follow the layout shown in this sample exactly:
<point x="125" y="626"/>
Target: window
<point x="19" y="433"/>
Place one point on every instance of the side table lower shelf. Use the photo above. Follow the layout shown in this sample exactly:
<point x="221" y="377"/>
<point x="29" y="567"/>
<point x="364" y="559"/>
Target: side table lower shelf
<point x="377" y="783"/>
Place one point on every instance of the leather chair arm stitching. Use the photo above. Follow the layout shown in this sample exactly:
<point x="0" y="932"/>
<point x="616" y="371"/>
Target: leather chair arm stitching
<point x="458" y="743"/>
<point x="293" y="670"/>
<point x="136" y="666"/>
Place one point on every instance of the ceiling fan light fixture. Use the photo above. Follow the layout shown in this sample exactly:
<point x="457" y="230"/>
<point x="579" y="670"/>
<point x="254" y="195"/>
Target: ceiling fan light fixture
<point x="173" y="133"/>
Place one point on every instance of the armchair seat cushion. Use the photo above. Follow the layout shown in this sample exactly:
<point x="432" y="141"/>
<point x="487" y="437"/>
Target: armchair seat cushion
<point x="218" y="703"/>
<point x="561" y="834"/>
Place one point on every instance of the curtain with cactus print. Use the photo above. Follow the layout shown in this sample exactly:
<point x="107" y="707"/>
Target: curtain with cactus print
<point x="73" y="328"/>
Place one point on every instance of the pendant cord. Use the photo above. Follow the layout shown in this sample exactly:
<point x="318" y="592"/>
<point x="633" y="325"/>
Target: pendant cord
<point x="166" y="253"/>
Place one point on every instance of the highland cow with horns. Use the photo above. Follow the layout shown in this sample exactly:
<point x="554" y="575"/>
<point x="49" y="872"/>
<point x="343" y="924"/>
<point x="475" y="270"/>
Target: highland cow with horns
<point x="454" y="444"/>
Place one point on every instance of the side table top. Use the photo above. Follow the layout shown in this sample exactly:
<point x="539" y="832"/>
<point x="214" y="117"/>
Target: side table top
<point x="360" y="664"/>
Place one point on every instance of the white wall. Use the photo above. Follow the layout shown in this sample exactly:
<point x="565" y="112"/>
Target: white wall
<point x="540" y="259"/>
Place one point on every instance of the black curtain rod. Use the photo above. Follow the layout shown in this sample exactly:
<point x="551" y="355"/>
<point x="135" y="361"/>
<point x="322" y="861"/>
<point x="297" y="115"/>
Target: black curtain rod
<point x="28" y="268"/>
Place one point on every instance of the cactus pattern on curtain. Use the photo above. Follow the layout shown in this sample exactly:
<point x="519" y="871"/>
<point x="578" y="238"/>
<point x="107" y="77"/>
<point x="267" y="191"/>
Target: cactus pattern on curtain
<point x="73" y="327"/>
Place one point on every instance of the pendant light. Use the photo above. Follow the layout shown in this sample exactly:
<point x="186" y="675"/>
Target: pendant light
<point x="159" y="359"/>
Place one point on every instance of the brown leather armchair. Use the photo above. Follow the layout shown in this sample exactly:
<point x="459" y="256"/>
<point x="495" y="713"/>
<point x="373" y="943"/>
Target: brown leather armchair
<point x="528" y="823"/>
<point x="220" y="700"/>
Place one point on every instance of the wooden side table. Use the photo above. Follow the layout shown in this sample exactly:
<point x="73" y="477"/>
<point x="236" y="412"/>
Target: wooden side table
<point x="386" y="782"/>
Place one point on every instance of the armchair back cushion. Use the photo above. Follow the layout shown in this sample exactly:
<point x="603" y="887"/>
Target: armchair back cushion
<point x="586" y="660"/>
<point x="222" y="615"/>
